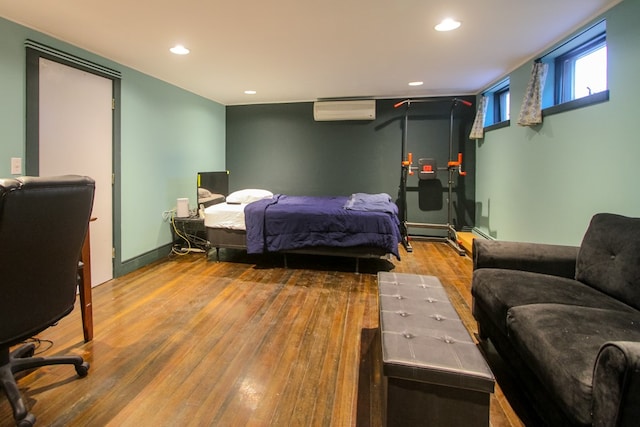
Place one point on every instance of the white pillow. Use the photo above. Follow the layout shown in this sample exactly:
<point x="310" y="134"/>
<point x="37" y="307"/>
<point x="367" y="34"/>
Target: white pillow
<point x="248" y="195"/>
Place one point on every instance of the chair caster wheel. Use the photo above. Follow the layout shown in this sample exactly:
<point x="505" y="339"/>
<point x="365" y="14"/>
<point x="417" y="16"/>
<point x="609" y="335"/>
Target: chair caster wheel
<point x="27" y="421"/>
<point x="82" y="370"/>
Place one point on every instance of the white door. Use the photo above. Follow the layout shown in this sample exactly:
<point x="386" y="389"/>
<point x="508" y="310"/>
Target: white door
<point x="75" y="131"/>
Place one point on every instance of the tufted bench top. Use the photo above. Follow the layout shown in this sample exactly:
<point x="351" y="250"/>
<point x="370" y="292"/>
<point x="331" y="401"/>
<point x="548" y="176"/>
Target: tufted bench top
<point x="423" y="338"/>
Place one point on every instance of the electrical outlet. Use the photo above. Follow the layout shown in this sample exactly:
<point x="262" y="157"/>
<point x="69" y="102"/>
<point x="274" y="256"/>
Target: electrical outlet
<point x="16" y="165"/>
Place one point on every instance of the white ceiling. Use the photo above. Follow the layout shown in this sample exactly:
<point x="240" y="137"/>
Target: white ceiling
<point x="301" y="50"/>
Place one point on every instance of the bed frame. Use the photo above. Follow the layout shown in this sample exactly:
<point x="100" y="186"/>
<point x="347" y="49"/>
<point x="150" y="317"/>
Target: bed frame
<point x="236" y="239"/>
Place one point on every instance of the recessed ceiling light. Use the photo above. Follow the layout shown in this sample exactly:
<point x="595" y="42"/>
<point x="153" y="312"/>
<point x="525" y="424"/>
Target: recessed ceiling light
<point x="416" y="83"/>
<point x="250" y="92"/>
<point x="179" y="50"/>
<point x="447" y="24"/>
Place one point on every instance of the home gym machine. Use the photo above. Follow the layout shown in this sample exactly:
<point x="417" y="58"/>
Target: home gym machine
<point x="427" y="169"/>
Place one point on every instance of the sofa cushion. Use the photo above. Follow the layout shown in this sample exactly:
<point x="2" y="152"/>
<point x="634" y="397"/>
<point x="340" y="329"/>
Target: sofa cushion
<point x="542" y="258"/>
<point x="497" y="290"/>
<point x="609" y="257"/>
<point x="560" y="344"/>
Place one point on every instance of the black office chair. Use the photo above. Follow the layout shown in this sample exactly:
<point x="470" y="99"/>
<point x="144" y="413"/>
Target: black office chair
<point x="43" y="223"/>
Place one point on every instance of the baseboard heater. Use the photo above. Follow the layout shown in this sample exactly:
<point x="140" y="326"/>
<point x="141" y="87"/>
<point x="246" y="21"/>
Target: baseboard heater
<point x="364" y="109"/>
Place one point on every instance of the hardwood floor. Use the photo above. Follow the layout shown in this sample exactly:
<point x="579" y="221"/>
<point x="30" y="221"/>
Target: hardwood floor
<point x="239" y="342"/>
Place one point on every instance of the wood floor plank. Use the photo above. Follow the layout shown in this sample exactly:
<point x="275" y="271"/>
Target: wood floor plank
<point x="241" y="342"/>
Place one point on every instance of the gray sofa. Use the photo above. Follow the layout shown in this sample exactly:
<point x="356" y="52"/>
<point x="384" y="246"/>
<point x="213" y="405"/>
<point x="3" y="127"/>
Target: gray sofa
<point x="566" y="321"/>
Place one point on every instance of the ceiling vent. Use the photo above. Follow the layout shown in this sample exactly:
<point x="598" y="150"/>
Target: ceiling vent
<point x="364" y="109"/>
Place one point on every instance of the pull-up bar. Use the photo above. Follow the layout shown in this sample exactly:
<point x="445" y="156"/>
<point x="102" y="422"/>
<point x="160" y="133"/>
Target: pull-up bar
<point x="453" y="166"/>
<point x="422" y="100"/>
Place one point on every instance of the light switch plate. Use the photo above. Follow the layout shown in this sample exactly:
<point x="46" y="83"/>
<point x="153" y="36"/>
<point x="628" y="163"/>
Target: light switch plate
<point x="16" y="165"/>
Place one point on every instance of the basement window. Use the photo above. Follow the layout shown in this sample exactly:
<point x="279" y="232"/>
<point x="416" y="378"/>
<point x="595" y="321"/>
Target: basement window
<point x="577" y="74"/>
<point x="582" y="71"/>
<point x="499" y="98"/>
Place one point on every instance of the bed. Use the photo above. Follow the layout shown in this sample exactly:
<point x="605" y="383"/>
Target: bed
<point x="360" y="226"/>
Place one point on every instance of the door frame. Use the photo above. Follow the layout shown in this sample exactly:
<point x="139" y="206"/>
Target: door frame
<point x="35" y="51"/>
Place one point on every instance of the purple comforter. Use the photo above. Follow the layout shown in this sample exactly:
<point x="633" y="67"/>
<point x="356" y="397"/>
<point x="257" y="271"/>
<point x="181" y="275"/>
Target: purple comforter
<point x="293" y="222"/>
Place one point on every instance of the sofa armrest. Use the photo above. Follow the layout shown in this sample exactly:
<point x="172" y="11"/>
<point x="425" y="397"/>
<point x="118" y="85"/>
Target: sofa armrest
<point x="616" y="384"/>
<point x="543" y="258"/>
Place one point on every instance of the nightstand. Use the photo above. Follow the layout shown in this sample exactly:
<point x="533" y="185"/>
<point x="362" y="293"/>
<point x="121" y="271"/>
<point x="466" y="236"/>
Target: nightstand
<point x="189" y="233"/>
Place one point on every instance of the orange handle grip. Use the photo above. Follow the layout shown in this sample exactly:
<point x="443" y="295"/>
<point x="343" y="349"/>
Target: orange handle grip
<point x="407" y="163"/>
<point x="458" y="163"/>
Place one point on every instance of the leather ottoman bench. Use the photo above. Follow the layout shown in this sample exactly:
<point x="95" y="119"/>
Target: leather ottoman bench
<point x="434" y="373"/>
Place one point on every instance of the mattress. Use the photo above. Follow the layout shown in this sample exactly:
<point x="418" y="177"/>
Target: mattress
<point x="225" y="215"/>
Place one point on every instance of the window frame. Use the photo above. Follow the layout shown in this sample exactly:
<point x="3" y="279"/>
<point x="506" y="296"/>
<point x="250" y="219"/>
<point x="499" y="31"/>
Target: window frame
<point x="550" y="105"/>
<point x="565" y="68"/>
<point x="494" y="118"/>
<point x="500" y="109"/>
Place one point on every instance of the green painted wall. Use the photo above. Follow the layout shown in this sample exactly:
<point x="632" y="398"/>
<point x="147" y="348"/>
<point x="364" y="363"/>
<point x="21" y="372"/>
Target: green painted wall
<point x="167" y="136"/>
<point x="544" y="184"/>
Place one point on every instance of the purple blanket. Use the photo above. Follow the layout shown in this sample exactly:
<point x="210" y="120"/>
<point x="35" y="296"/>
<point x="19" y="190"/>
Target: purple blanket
<point x="293" y="222"/>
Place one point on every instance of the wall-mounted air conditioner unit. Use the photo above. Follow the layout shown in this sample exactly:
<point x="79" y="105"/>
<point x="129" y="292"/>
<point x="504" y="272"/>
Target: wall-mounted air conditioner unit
<point x="364" y="109"/>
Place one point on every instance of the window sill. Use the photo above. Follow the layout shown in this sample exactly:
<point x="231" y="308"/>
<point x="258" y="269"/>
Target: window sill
<point x="499" y="125"/>
<point x="596" y="98"/>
